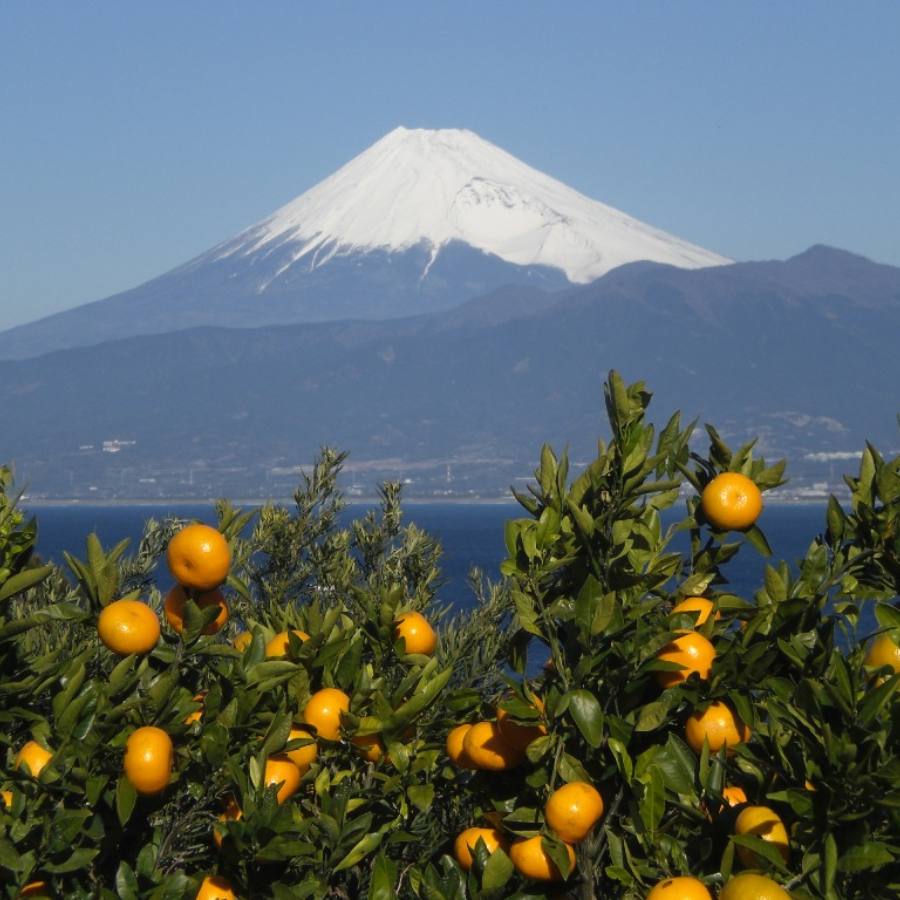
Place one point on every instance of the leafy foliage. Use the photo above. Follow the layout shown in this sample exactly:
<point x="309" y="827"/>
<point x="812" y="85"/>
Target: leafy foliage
<point x="593" y="571"/>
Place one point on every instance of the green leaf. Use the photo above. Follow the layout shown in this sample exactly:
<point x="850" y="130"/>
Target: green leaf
<point x="362" y="849"/>
<point x="877" y="698"/>
<point x="654" y="714"/>
<point x="497" y="871"/>
<point x="22" y="581"/>
<point x="384" y="877"/>
<point x="126" y="797"/>
<point x="588" y="715"/>
<point x="653" y="801"/>
<point x="869" y="855"/>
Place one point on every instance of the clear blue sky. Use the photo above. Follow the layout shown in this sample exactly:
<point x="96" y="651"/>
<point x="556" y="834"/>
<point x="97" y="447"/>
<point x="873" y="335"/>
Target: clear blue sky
<point x="134" y="136"/>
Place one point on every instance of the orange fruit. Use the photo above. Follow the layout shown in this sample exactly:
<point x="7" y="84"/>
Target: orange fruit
<point x="753" y="887"/>
<point x="734" y="795"/>
<point x="35" y="889"/>
<point x="303" y="757"/>
<point x="197" y="714"/>
<point x="516" y="735"/>
<point x="323" y="712"/>
<point x="418" y="636"/>
<point x="242" y="640"/>
<point x="763" y="823"/>
<point x="731" y="502"/>
<point x="719" y="725"/>
<point x="456" y="750"/>
<point x="128" y="626"/>
<point x="699" y="605"/>
<point x="484" y="746"/>
<point x="573" y="810"/>
<point x="199" y="557"/>
<point x="281" y="771"/>
<point x="279" y="644"/>
<point x="215" y="887"/>
<point x="883" y="652"/>
<point x="7" y="797"/>
<point x="232" y="814"/>
<point x="682" y="887"/>
<point x="34" y="756"/>
<point x="174" y="609"/>
<point x="148" y="759"/>
<point x="464" y="845"/>
<point x="690" y="650"/>
<point x="532" y="861"/>
<point x="368" y="746"/>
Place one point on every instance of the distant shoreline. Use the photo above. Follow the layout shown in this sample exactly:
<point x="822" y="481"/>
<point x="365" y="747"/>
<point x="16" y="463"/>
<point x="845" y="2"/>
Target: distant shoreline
<point x="350" y="501"/>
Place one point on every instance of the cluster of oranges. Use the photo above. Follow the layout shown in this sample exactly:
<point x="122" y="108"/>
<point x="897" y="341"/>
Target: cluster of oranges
<point x="570" y="812"/>
<point x="747" y="886"/>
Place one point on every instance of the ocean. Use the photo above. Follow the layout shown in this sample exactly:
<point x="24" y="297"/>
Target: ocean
<point x="471" y="535"/>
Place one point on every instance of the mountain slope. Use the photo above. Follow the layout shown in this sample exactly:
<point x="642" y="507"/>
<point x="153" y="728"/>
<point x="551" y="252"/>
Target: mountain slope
<point x="781" y="350"/>
<point x="422" y="220"/>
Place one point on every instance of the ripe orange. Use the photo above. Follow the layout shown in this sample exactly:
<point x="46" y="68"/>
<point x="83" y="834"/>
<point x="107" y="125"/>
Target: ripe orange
<point x="368" y="746"/>
<point x="280" y="770"/>
<point x="763" y="823"/>
<point x="690" y="650"/>
<point x="199" y="557"/>
<point x="303" y="757"/>
<point x="278" y="646"/>
<point x="7" y="797"/>
<point x="464" y="845"/>
<point x="734" y="795"/>
<point x="753" y="887"/>
<point x="699" y="605"/>
<point x="148" y="759"/>
<point x="128" y="626"/>
<point x="532" y="861"/>
<point x="232" y="814"/>
<point x="520" y="736"/>
<point x="484" y="746"/>
<point x="174" y="608"/>
<point x="242" y="640"/>
<point x="884" y="652"/>
<point x="731" y="502"/>
<point x="323" y="712"/>
<point x="35" y="889"/>
<point x="456" y="750"/>
<point x="34" y="756"/>
<point x="683" y="887"/>
<point x="573" y="810"/>
<point x="197" y="714"/>
<point x="215" y="887"/>
<point x="418" y="636"/>
<point x="719" y="725"/>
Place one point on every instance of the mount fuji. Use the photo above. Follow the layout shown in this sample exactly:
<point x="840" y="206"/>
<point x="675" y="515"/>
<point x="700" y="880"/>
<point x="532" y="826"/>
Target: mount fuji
<point x="422" y="220"/>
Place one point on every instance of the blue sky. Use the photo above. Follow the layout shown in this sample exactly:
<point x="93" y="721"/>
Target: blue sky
<point x="134" y="136"/>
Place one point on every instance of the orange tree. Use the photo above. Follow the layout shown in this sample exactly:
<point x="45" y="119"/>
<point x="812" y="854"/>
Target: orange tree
<point x="769" y="706"/>
<point x="175" y="756"/>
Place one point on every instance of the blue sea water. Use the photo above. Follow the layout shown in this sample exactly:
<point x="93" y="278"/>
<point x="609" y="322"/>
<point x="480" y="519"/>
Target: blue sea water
<point x="471" y="535"/>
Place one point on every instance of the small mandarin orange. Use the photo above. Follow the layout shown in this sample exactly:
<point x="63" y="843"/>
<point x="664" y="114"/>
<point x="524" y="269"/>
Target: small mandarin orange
<point x="693" y="652"/>
<point x="573" y="810"/>
<point x="34" y="756"/>
<point x="753" y="887"/>
<point x="280" y="644"/>
<point x="484" y="746"/>
<point x="174" y="609"/>
<point x="323" y="712"/>
<point x="302" y="757"/>
<point x="416" y="633"/>
<point x="532" y="861"/>
<point x="466" y="841"/>
<point x="149" y="756"/>
<point x="215" y="887"/>
<point x="765" y="823"/>
<point x="231" y="814"/>
<point x="128" y="626"/>
<point x="682" y="887"/>
<point x="281" y="771"/>
<point x="455" y="749"/>
<point x="199" y="557"/>
<point x="700" y="605"/>
<point x="719" y="725"/>
<point x="731" y="502"/>
<point x="520" y="736"/>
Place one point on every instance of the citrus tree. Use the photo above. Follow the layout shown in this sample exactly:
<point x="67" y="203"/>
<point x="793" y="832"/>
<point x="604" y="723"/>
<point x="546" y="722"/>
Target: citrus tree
<point x="678" y="733"/>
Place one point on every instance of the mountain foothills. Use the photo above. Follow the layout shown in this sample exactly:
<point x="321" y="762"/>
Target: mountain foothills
<point x="420" y="221"/>
<point x="801" y="352"/>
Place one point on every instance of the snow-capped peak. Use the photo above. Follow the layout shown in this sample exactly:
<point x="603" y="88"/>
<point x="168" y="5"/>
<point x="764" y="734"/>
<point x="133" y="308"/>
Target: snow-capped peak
<point x="426" y="186"/>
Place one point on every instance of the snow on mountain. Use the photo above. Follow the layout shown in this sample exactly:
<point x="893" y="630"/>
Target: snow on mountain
<point x="433" y="187"/>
